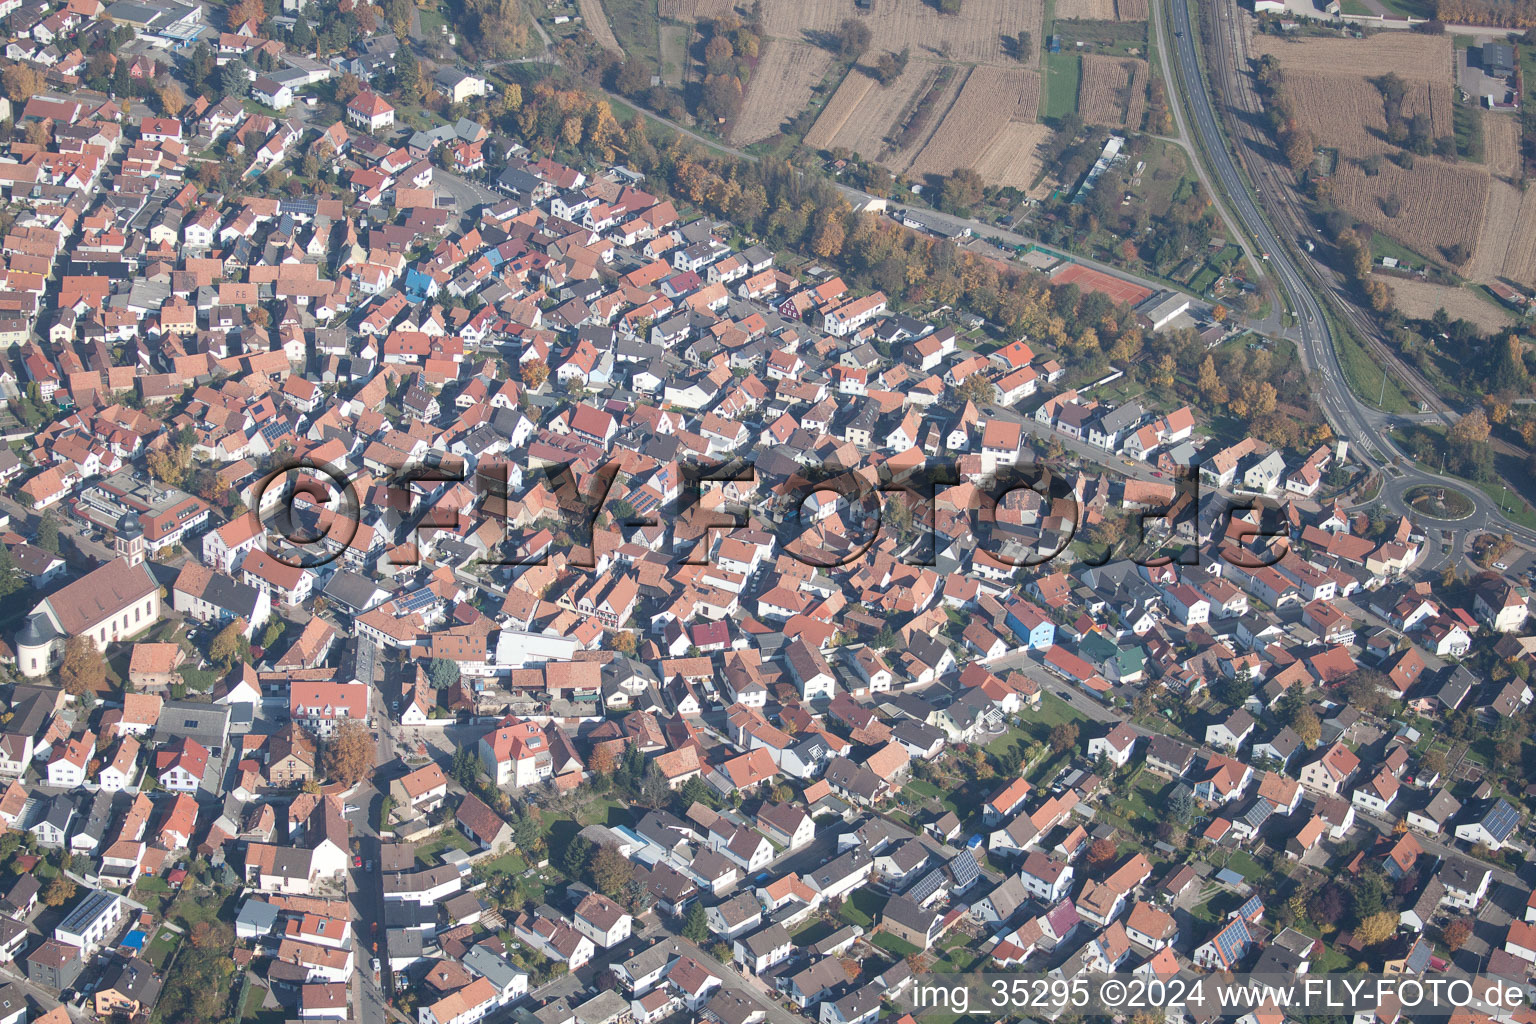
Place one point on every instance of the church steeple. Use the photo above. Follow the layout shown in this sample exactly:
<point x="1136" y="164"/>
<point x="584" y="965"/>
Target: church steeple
<point x="129" y="542"/>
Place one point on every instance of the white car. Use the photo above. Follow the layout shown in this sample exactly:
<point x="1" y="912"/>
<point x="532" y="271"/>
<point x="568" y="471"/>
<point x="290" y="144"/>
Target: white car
<point x="1500" y="566"/>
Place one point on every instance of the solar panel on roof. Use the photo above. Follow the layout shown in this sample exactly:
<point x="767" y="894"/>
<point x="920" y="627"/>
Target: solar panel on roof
<point x="1251" y="908"/>
<point x="964" y="869"/>
<point x="925" y="886"/>
<point x="1501" y="820"/>
<point x="1232" y="941"/>
<point x="415" y="601"/>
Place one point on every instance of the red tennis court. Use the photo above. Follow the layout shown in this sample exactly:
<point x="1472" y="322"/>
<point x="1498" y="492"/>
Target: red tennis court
<point x="1090" y="280"/>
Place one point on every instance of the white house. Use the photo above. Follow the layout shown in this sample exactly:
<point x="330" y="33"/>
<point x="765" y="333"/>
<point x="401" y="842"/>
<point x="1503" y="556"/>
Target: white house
<point x="1115" y="746"/>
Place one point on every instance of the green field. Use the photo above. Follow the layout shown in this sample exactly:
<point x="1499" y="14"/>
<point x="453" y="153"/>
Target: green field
<point x="159" y="951"/>
<point x="1365" y="375"/>
<point x="1384" y="245"/>
<point x="1411" y="8"/>
<point x="674" y="53"/>
<point x="637" y="28"/>
<point x="1058" y="94"/>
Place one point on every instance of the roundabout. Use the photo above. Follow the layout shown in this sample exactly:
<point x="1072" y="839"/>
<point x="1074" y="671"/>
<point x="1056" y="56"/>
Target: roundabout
<point x="1439" y="502"/>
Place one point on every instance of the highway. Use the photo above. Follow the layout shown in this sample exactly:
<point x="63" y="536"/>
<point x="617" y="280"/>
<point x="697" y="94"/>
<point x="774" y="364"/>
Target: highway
<point x="1350" y="418"/>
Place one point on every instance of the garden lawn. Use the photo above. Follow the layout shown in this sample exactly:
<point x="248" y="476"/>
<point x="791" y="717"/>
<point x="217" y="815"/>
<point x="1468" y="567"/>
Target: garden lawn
<point x="159" y="950"/>
<point x="448" y="838"/>
<point x="891" y="944"/>
<point x="860" y="908"/>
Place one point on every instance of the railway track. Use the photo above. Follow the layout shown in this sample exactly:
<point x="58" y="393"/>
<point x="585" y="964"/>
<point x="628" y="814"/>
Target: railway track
<point x="1226" y="36"/>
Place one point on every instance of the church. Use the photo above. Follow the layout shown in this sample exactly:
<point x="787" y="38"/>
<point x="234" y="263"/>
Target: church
<point x="112" y="602"/>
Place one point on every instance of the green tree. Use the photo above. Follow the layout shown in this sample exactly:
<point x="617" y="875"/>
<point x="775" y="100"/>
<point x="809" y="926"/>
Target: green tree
<point x="442" y="673"/>
<point x="465" y="766"/>
<point x="574" y="858"/>
<point x="1182" y="806"/>
<point x="48" y="533"/>
<point x="696" y="791"/>
<point x="696" y="924"/>
<point x="407" y="72"/>
<point x="10" y="576"/>
<point x="232" y="80"/>
<point x="303" y="35"/>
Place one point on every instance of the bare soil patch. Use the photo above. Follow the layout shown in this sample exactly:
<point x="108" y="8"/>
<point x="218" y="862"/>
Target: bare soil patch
<point x="1421" y="299"/>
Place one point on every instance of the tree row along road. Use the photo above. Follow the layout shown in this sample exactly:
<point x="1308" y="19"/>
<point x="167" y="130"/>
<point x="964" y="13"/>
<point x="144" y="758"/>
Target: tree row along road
<point x="980" y="229"/>
<point x="1351" y="419"/>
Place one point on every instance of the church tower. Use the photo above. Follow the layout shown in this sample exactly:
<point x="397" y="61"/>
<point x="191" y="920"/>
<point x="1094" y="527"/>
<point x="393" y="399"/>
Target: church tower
<point x="129" y="543"/>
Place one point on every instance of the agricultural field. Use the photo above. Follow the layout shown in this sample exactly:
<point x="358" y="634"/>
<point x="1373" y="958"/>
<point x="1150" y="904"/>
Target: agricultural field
<point x="1506" y="246"/>
<point x="1409" y="54"/>
<point x="1013" y="159"/>
<point x="936" y="117"/>
<point x="1431" y="205"/>
<point x="973" y="37"/>
<point x="693" y="10"/>
<point x="1088" y="10"/>
<point x="888" y="124"/>
<point x="795" y="58"/>
<point x="1113" y="91"/>
<point x="990" y="99"/>
<point x="1345" y="111"/>
<point x="780" y="88"/>
<point x="596" y="19"/>
<point x="1102" y="10"/>
<point x="1420" y="299"/>
<point x="1441" y="203"/>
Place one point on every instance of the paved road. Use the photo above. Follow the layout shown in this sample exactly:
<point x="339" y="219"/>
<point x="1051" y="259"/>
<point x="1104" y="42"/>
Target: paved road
<point x="1186" y="142"/>
<point x="1350" y="418"/>
<point x="1442" y="847"/>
